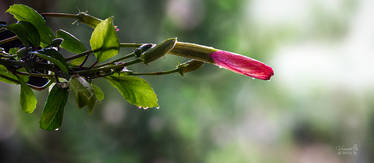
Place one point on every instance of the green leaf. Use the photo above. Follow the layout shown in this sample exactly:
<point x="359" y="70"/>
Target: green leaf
<point x="13" y="51"/>
<point x="27" y="97"/>
<point x="26" y="13"/>
<point x="26" y="32"/>
<point x="83" y="91"/>
<point x="53" y="111"/>
<point x="7" y="77"/>
<point x="135" y="90"/>
<point x="53" y="56"/>
<point x="98" y="92"/>
<point x="71" y="44"/>
<point x="105" y="38"/>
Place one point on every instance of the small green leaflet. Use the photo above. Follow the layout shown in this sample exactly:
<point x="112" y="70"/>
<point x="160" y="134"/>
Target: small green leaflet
<point x="7" y="77"/>
<point x="135" y="90"/>
<point x="13" y="51"/>
<point x="25" y="13"/>
<point x="104" y="38"/>
<point x="88" y="19"/>
<point x="26" y="32"/>
<point x="27" y="97"/>
<point x="98" y="92"/>
<point x="71" y="44"/>
<point x="53" y="111"/>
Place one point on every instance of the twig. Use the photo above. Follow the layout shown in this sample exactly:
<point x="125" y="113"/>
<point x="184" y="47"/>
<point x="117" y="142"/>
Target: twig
<point x="34" y="74"/>
<point x="60" y="15"/>
<point x="13" y="38"/>
<point x="108" y="68"/>
<point x="80" y="55"/>
<point x="155" y="73"/>
<point x="119" y="59"/>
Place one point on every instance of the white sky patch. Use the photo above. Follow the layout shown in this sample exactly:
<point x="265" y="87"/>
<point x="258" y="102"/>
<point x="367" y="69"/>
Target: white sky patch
<point x="361" y="35"/>
<point x="278" y="11"/>
<point x="348" y="63"/>
<point x="304" y="66"/>
<point x="292" y="12"/>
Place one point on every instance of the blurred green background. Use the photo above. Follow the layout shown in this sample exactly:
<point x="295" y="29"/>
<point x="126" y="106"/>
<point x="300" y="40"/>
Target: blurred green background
<point x="317" y="108"/>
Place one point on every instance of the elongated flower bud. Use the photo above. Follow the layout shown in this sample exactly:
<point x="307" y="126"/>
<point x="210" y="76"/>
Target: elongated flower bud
<point x="242" y="65"/>
<point x="228" y="60"/>
<point x="159" y="50"/>
<point x="189" y="66"/>
<point x="88" y="19"/>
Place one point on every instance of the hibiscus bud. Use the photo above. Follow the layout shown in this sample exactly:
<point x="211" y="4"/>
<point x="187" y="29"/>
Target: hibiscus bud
<point x="158" y="51"/>
<point x="228" y="60"/>
<point x="242" y="65"/>
<point x="189" y="66"/>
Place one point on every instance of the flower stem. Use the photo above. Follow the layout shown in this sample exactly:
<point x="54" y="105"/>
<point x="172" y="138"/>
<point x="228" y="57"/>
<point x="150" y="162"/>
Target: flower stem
<point x="5" y="55"/>
<point x="88" y="52"/>
<point x="130" y="45"/>
<point x="84" y="61"/>
<point x="94" y="64"/>
<point x="2" y="29"/>
<point x="35" y="74"/>
<point x="119" y="59"/>
<point x="80" y="55"/>
<point x="155" y="73"/>
<point x="108" y="68"/>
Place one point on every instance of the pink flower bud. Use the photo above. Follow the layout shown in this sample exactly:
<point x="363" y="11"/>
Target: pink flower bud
<point x="228" y="60"/>
<point x="242" y="64"/>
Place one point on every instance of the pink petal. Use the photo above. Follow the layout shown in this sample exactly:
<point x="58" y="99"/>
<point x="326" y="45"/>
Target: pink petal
<point x="242" y="65"/>
<point x="116" y="28"/>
